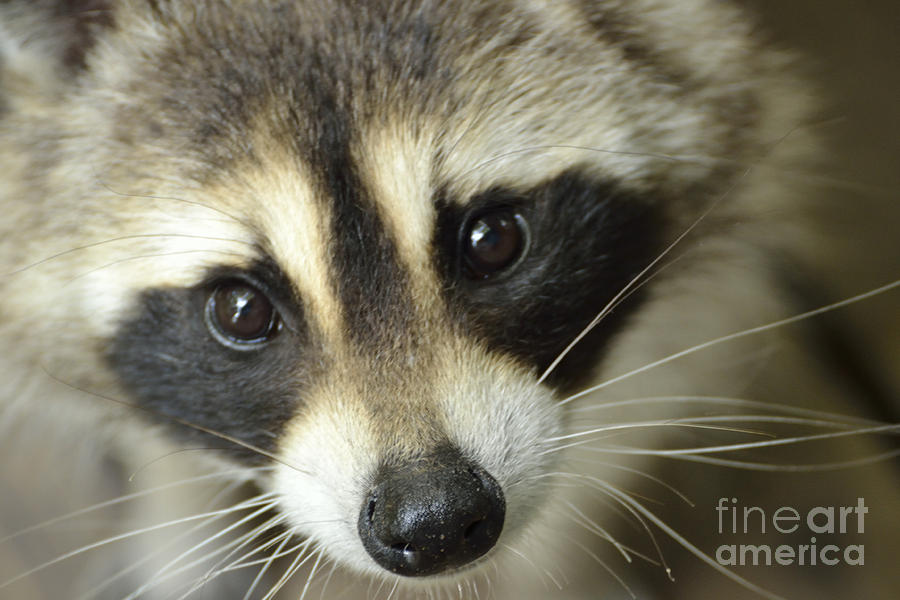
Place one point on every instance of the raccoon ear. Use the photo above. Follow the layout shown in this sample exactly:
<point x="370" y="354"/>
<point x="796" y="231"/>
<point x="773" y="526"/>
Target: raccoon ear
<point x="51" y="34"/>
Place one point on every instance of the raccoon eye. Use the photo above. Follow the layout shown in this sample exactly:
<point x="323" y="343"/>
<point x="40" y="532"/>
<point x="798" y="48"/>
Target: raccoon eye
<point x="240" y="316"/>
<point x="492" y="242"/>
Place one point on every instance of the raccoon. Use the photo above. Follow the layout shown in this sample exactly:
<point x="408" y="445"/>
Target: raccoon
<point x="422" y="298"/>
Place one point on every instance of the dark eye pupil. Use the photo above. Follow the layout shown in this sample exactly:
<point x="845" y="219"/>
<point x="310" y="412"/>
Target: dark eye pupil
<point x="241" y="312"/>
<point x="493" y="242"/>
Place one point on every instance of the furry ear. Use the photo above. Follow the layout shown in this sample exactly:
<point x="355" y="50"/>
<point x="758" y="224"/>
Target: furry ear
<point x="54" y="33"/>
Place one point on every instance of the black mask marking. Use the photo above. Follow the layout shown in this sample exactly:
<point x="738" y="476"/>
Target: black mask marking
<point x="588" y="239"/>
<point x="170" y="364"/>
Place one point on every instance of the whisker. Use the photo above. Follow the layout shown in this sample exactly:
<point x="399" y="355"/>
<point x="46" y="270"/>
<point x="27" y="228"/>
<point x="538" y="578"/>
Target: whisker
<point x="381" y="582"/>
<point x="752" y="445"/>
<point x="601" y="531"/>
<point x="160" y="550"/>
<point x="736" y="335"/>
<point x="600" y="485"/>
<point x="606" y="568"/>
<point x="126" y="498"/>
<point x="126" y="536"/>
<point x="122" y="238"/>
<point x="628" y="287"/>
<point x="730" y="402"/>
<point x="165" y="572"/>
<point x="153" y="255"/>
<point x="291" y="570"/>
<point x="765" y="419"/>
<point x="648" y="476"/>
<point x="239" y="564"/>
<point x="393" y="589"/>
<point x="288" y="535"/>
<point x="331" y="572"/>
<point x="241" y="542"/>
<point x="312" y="573"/>
<point x="631" y="285"/>
<point x="674" y="422"/>
<point x="179" y="421"/>
<point x="686" y="544"/>
<point x="158" y="459"/>
<point x="224" y="213"/>
<point x="534" y="567"/>
<point x="807" y="468"/>
<point x="625" y="516"/>
<point x="697" y="423"/>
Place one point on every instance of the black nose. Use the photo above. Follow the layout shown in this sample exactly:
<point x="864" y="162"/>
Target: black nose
<point x="431" y="515"/>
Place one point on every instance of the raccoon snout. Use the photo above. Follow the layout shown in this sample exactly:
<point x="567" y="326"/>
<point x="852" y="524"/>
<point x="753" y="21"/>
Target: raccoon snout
<point x="431" y="515"/>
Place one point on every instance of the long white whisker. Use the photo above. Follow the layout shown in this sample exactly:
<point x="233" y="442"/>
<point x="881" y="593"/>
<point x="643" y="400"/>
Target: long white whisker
<point x="312" y="573"/>
<point x="126" y="536"/>
<point x="807" y="468"/>
<point x="675" y="422"/>
<point x="648" y="476"/>
<point x="133" y="496"/>
<point x="288" y="535"/>
<point x="736" y="335"/>
<point x="601" y="486"/>
<point x="240" y="564"/>
<point x="217" y="569"/>
<point x="381" y="582"/>
<point x="752" y="445"/>
<point x="295" y="566"/>
<point x="685" y="543"/>
<point x="699" y="421"/>
<point x="730" y="402"/>
<point x="163" y="549"/>
<point x="533" y="565"/>
<point x="599" y="530"/>
<point x="166" y="572"/>
<point x="331" y="572"/>
<point x="625" y="291"/>
<point x="393" y="589"/>
<point x="179" y="421"/>
<point x="606" y="567"/>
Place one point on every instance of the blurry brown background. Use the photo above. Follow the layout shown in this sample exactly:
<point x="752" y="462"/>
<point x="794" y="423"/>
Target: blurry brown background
<point x="853" y="47"/>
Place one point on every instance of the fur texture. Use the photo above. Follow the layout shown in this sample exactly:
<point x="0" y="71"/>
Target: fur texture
<point x="341" y="160"/>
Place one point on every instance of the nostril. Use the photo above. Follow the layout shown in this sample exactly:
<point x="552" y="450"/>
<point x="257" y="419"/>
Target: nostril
<point x="403" y="547"/>
<point x="370" y="510"/>
<point x="475" y="529"/>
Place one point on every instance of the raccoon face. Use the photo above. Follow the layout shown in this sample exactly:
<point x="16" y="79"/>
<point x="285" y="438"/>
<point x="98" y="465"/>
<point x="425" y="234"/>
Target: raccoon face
<point x="358" y="282"/>
<point x="394" y="380"/>
<point x="355" y="247"/>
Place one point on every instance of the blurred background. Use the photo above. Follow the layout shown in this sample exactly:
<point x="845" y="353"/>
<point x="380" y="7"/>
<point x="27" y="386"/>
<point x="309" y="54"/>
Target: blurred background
<point x="853" y="53"/>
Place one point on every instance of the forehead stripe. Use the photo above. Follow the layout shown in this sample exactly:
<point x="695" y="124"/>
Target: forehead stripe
<point x="370" y="283"/>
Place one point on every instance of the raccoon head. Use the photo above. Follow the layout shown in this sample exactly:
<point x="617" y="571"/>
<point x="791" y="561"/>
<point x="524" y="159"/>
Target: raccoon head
<point x="351" y="241"/>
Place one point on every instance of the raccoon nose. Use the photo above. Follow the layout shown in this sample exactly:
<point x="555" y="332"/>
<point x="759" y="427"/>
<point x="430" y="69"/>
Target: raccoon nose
<point x="431" y="515"/>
